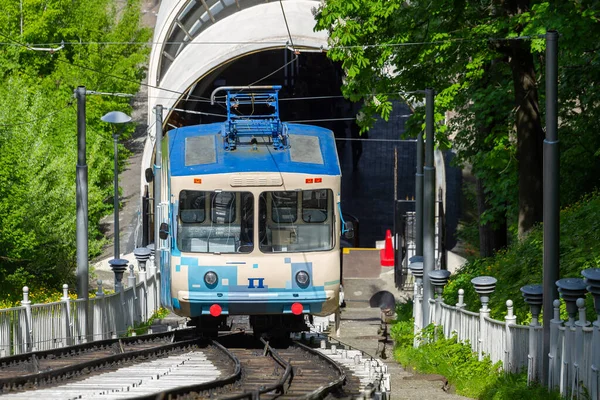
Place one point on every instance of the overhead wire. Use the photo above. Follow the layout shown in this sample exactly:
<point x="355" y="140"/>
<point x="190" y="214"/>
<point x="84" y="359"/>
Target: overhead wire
<point x="41" y="118"/>
<point x="287" y="26"/>
<point x="202" y="99"/>
<point x="279" y="43"/>
<point x="103" y="72"/>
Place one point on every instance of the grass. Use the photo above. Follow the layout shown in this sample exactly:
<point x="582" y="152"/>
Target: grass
<point x="459" y="364"/>
<point x="142" y="328"/>
<point x="518" y="265"/>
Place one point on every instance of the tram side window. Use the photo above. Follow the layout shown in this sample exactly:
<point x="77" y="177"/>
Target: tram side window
<point x="314" y="205"/>
<point x="192" y="205"/>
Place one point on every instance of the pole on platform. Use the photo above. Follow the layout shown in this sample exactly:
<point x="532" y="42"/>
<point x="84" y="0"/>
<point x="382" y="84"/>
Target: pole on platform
<point x="81" y="190"/>
<point x="428" y="206"/>
<point x="157" y="178"/>
<point x="419" y="198"/>
<point x="117" y="251"/>
<point x="551" y="193"/>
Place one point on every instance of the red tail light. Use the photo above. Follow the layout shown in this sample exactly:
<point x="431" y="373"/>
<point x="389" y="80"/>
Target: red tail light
<point x="215" y="310"/>
<point x="297" y="308"/>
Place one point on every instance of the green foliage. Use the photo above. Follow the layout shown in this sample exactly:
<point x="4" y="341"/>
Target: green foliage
<point x="452" y="359"/>
<point x="458" y="48"/>
<point x="521" y="264"/>
<point x="142" y="328"/>
<point x="458" y="363"/>
<point x="38" y="129"/>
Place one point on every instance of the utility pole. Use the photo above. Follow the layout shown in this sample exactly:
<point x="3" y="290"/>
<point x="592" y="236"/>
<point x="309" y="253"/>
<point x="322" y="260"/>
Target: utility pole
<point x="428" y="206"/>
<point x="81" y="195"/>
<point x="551" y="194"/>
<point x="81" y="190"/>
<point x="419" y="198"/>
<point x="157" y="182"/>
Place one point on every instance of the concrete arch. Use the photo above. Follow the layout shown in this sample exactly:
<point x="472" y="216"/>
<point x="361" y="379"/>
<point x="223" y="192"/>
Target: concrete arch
<point x="257" y="28"/>
<point x="251" y="28"/>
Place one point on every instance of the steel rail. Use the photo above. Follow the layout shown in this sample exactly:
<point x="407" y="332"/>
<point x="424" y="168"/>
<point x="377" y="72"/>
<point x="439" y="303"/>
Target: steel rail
<point x="69" y="350"/>
<point x="76" y="368"/>
<point x="200" y="387"/>
<point x="278" y="387"/>
<point x="336" y="384"/>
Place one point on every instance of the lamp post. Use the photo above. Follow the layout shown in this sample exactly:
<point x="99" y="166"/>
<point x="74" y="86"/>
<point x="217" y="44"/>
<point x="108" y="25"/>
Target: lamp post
<point x="116" y="117"/>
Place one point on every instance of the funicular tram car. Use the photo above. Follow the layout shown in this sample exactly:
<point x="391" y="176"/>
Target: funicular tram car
<point x="250" y="221"/>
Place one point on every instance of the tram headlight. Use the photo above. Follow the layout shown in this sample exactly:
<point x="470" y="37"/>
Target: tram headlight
<point x="302" y="279"/>
<point x="210" y="278"/>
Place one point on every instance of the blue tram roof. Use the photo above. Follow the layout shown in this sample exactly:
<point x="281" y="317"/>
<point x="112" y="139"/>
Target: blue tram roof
<point x="198" y="150"/>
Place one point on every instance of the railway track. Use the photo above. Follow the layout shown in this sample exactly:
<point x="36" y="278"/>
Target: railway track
<point x="171" y="366"/>
<point x="41" y="367"/>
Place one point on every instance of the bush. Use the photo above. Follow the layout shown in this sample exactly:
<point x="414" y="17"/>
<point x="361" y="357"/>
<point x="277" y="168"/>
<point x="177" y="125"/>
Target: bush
<point x="522" y="263"/>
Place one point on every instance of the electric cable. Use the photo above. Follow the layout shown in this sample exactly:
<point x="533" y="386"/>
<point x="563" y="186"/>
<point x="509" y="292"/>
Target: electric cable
<point x="51" y="114"/>
<point x="287" y="26"/>
<point x="103" y="72"/>
<point x="279" y="43"/>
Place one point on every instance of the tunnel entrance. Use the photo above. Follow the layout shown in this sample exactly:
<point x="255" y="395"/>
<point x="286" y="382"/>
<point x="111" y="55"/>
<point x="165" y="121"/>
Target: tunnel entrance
<point x="311" y="94"/>
<point x="306" y="76"/>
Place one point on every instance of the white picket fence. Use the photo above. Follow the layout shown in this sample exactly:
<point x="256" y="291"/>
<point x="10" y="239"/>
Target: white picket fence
<point x="574" y="356"/>
<point x="66" y="322"/>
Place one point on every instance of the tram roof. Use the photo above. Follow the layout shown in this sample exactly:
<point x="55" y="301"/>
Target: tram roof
<point x="198" y="150"/>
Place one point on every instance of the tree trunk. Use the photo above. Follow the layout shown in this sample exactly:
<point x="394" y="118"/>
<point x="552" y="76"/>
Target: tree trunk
<point x="492" y="237"/>
<point x="530" y="136"/>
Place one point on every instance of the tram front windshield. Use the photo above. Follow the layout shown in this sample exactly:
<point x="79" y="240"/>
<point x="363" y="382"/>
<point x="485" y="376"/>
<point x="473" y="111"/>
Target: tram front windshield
<point x="223" y="221"/>
<point x="215" y="222"/>
<point x="293" y="221"/>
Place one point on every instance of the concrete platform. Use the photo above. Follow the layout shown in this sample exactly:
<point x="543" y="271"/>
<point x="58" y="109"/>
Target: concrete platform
<point x="363" y="276"/>
<point x="359" y="329"/>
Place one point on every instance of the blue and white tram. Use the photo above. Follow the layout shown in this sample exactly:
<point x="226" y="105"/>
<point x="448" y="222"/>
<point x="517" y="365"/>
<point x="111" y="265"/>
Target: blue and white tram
<point x="251" y="218"/>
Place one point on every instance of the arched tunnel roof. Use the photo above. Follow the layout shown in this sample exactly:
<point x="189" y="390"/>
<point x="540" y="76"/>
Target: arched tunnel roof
<point x="187" y="47"/>
<point x="194" y="37"/>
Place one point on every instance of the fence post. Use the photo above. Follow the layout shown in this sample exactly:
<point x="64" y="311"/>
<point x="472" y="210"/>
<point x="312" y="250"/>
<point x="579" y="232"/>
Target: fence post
<point x="28" y="328"/>
<point x="417" y="270"/>
<point x="152" y="272"/>
<point x="458" y="315"/>
<point x="553" y="364"/>
<point x="135" y="310"/>
<point x="510" y="319"/>
<point x="484" y="286"/>
<point x="570" y="290"/>
<point x="66" y="317"/>
<point x="578" y="359"/>
<point x="99" y="305"/>
<point x="592" y="279"/>
<point x="533" y="295"/>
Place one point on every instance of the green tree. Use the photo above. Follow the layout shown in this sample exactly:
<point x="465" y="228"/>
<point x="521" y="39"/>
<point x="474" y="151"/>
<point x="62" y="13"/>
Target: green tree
<point x="485" y="60"/>
<point x="38" y="128"/>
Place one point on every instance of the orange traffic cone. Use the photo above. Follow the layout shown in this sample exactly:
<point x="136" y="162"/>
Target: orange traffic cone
<point x="387" y="254"/>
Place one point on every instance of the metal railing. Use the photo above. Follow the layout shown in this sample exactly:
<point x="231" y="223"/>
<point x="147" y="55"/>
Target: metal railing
<point x="68" y="322"/>
<point x="574" y="344"/>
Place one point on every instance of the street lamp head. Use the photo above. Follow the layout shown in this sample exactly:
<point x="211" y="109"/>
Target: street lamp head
<point x="116" y="117"/>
